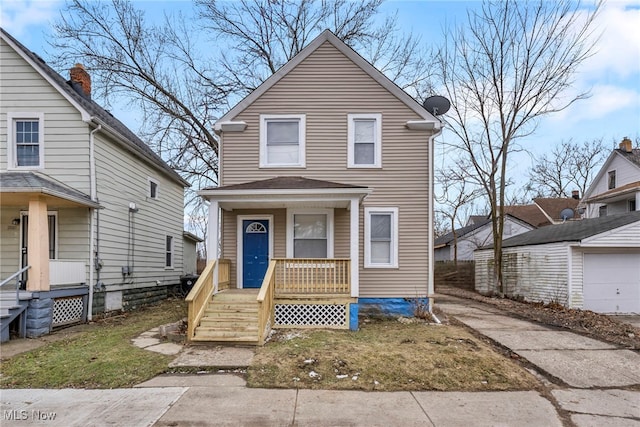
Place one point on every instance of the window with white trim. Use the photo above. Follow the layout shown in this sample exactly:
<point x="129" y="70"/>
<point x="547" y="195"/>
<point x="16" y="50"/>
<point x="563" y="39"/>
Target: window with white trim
<point x="25" y="140"/>
<point x="310" y="233"/>
<point x="381" y="237"/>
<point x="168" y="263"/>
<point x="365" y="140"/>
<point x="282" y="140"/>
<point x="153" y="189"/>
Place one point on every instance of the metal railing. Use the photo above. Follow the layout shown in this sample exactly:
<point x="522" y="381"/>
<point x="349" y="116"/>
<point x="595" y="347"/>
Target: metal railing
<point x="16" y="276"/>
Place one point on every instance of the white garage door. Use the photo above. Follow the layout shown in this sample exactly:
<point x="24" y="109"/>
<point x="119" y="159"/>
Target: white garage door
<point x="612" y="283"/>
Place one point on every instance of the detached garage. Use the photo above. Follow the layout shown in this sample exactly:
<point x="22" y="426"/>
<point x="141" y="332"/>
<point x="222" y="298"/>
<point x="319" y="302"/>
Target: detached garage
<point x="592" y="264"/>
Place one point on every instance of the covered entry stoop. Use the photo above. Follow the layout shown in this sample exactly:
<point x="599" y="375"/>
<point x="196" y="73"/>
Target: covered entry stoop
<point x="231" y="316"/>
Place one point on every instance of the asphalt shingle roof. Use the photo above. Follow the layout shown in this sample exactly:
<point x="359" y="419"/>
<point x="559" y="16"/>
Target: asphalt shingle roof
<point x="33" y="182"/>
<point x="461" y="232"/>
<point x="284" y="183"/>
<point x="571" y="231"/>
<point x="633" y="156"/>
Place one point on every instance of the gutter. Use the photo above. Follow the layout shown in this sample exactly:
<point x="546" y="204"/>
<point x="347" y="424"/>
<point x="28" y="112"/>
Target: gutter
<point x="93" y="228"/>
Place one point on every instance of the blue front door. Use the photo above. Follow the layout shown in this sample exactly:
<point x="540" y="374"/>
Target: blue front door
<point x="255" y="252"/>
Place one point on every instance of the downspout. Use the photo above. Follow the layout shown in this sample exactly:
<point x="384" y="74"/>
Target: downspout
<point x="94" y="228"/>
<point x="431" y="264"/>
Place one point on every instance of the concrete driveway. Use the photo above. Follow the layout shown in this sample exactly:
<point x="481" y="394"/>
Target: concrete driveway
<point x="594" y="381"/>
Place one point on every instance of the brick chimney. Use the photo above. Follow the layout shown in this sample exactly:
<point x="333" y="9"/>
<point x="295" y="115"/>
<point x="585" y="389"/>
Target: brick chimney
<point x="80" y="77"/>
<point x="575" y="194"/>
<point x="625" y="145"/>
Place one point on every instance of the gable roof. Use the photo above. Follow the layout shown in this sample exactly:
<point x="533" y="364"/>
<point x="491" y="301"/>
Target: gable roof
<point x="632" y="157"/>
<point x="553" y="206"/>
<point x="570" y="231"/>
<point x="328" y="36"/>
<point x="461" y="232"/>
<point x="531" y="214"/>
<point x="32" y="182"/>
<point x="90" y="110"/>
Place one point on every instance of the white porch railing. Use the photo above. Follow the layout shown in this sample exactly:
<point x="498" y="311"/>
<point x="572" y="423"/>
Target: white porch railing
<point x="65" y="272"/>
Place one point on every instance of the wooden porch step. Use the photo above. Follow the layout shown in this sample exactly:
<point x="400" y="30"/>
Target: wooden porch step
<point x="232" y="317"/>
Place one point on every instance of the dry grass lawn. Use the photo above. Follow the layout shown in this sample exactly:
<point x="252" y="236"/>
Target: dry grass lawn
<point x="385" y="355"/>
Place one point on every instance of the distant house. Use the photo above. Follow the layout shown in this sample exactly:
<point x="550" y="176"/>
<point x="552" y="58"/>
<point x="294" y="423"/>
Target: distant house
<point x="616" y="188"/>
<point x="593" y="264"/>
<point x="88" y="209"/>
<point x="476" y="235"/>
<point x="518" y="219"/>
<point x="324" y="204"/>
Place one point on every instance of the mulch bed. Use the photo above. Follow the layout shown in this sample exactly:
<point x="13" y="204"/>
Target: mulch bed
<point x="585" y="322"/>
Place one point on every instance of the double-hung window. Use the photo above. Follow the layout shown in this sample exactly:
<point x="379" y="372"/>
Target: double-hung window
<point x="310" y="234"/>
<point x="282" y="140"/>
<point x="26" y="140"/>
<point x="168" y="260"/>
<point x="381" y="237"/>
<point x="365" y="140"/>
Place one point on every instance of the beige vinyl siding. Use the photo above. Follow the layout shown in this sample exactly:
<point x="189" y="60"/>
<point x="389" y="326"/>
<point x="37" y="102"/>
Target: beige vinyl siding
<point x="326" y="87"/>
<point x="123" y="179"/>
<point x="66" y="136"/>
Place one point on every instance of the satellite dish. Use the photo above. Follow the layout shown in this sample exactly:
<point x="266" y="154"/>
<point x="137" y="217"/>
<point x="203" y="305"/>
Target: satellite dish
<point x="436" y="105"/>
<point x="566" y="214"/>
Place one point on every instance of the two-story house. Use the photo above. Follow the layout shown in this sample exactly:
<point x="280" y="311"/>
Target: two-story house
<point x="324" y="203"/>
<point x="91" y="218"/>
<point x="616" y="188"/>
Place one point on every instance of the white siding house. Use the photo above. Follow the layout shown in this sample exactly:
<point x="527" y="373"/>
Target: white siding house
<point x="616" y="188"/>
<point x="77" y="203"/>
<point x="593" y="264"/>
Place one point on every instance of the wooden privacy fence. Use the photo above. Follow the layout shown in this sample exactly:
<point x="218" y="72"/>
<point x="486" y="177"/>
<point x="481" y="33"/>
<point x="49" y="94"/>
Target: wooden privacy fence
<point x="312" y="276"/>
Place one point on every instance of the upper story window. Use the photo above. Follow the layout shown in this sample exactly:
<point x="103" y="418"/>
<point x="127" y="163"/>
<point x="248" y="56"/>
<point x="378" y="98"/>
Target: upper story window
<point x="26" y="140"/>
<point x="154" y="187"/>
<point x="612" y="180"/>
<point x="365" y="140"/>
<point x="282" y="140"/>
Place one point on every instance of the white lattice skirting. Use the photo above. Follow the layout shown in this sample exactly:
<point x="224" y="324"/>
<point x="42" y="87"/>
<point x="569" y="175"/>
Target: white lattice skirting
<point x="67" y="310"/>
<point x="326" y="315"/>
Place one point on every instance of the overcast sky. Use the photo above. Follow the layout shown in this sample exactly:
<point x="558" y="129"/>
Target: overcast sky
<point x="612" y="74"/>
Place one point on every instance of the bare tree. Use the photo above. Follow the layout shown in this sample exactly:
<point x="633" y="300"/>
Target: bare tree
<point x="570" y="166"/>
<point x="266" y="34"/>
<point x="180" y="88"/>
<point x="457" y="191"/>
<point x="511" y="64"/>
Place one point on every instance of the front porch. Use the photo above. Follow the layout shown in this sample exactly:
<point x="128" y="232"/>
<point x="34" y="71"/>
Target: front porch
<point x="295" y="292"/>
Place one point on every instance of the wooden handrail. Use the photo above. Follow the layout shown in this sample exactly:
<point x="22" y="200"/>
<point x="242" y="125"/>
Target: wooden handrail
<point x="201" y="293"/>
<point x="313" y="276"/>
<point x="266" y="298"/>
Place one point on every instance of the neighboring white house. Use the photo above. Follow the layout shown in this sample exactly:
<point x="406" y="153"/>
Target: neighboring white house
<point x="593" y="264"/>
<point x="616" y="188"/>
<point x="476" y="235"/>
<point x="93" y="212"/>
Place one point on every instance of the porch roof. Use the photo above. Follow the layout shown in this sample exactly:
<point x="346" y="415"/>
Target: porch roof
<point x="279" y="192"/>
<point x="616" y="194"/>
<point x="14" y="186"/>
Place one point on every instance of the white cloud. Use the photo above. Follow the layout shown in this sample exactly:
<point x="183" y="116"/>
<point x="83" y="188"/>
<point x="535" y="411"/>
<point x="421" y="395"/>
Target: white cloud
<point x="605" y="100"/>
<point x="22" y="17"/>
<point x="618" y="49"/>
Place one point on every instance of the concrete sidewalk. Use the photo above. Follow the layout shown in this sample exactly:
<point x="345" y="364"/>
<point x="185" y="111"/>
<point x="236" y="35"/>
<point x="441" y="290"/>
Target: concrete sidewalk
<point x="591" y="383"/>
<point x="224" y="400"/>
